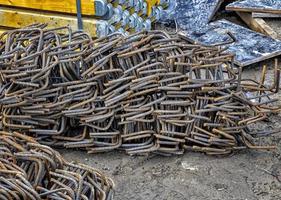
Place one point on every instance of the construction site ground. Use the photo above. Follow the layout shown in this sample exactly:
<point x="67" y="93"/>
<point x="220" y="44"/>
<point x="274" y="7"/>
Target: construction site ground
<point x="244" y="175"/>
<point x="247" y="174"/>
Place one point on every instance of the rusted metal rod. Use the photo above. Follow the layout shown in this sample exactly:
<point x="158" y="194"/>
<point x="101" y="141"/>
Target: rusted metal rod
<point x="148" y="92"/>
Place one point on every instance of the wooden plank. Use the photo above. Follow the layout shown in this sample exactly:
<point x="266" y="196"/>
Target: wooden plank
<point x="261" y="6"/>
<point x="63" y="6"/>
<point x="257" y="24"/>
<point x="265" y="15"/>
<point x="17" y="18"/>
<point x="267" y="29"/>
<point x="249" y="46"/>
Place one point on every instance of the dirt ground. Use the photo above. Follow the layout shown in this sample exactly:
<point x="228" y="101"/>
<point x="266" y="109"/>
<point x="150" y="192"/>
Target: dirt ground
<point x="245" y="175"/>
<point x="193" y="176"/>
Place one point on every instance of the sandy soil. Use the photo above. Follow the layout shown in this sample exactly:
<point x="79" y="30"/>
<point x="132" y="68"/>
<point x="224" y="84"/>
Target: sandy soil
<point x="247" y="175"/>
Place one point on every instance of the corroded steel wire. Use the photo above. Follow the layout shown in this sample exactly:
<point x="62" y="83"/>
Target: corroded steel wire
<point x="147" y="92"/>
<point x="29" y="170"/>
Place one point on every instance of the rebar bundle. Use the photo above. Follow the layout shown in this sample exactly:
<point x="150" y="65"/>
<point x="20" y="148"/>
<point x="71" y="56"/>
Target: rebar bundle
<point x="29" y="170"/>
<point x="147" y="92"/>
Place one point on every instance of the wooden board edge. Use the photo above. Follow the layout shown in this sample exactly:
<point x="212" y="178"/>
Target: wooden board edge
<point x="265" y="15"/>
<point x="272" y="11"/>
<point x="260" y="59"/>
<point x="257" y="24"/>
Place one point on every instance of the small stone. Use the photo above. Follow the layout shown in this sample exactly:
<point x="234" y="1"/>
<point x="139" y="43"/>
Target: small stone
<point x="188" y="166"/>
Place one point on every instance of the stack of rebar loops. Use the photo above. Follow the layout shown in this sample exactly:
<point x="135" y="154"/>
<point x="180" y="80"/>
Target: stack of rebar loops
<point x="147" y="92"/>
<point x="31" y="171"/>
<point x="99" y="17"/>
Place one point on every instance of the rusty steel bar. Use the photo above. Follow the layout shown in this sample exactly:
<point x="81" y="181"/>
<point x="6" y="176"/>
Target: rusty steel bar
<point x="147" y="92"/>
<point x="29" y="170"/>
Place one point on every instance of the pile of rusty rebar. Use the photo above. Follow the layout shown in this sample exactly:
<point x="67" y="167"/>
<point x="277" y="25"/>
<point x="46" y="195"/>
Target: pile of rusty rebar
<point x="29" y="170"/>
<point x="147" y="92"/>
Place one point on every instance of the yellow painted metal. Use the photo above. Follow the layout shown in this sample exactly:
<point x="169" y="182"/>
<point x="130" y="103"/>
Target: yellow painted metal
<point x="17" y="18"/>
<point x="150" y="4"/>
<point x="63" y="6"/>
